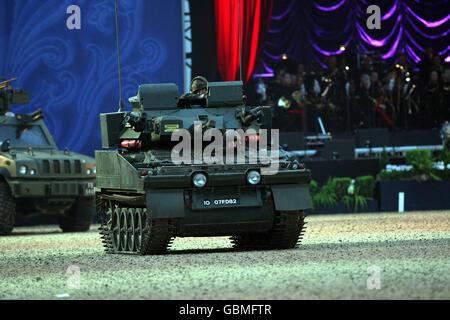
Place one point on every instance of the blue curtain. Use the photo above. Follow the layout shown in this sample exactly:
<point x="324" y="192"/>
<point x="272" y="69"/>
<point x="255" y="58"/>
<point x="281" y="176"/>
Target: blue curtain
<point x="72" y="74"/>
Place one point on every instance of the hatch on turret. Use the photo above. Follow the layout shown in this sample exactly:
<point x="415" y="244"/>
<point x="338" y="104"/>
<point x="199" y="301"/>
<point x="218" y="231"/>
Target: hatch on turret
<point x="158" y="96"/>
<point x="225" y="94"/>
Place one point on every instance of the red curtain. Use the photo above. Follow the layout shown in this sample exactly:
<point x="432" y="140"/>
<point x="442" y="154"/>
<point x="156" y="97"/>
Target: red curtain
<point x="255" y="22"/>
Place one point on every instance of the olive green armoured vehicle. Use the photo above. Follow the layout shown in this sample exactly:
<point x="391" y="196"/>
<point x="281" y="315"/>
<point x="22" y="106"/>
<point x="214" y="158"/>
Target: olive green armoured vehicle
<point x="37" y="177"/>
<point x="146" y="199"/>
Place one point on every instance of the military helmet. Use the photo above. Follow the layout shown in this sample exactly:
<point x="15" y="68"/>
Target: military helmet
<point x="198" y="83"/>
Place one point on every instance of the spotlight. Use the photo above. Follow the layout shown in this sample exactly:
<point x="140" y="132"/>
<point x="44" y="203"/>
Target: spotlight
<point x="347" y="68"/>
<point x="284" y="56"/>
<point x="342" y="47"/>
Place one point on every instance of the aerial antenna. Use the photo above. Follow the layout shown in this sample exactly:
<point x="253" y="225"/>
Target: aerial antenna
<point x="118" y="56"/>
<point x="240" y="40"/>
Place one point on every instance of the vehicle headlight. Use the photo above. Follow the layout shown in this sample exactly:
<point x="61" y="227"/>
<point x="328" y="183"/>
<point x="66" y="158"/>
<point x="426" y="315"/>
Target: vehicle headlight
<point x="253" y="177"/>
<point x="32" y="172"/>
<point x="199" y="180"/>
<point x="88" y="172"/>
<point x="23" y="170"/>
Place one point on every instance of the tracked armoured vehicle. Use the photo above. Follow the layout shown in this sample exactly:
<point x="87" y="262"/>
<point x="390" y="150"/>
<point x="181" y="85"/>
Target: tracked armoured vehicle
<point x="146" y="199"/>
<point x="37" y="177"/>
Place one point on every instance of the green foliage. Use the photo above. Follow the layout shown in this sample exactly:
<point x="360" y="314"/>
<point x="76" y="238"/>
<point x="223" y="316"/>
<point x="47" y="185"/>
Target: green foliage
<point x="336" y="190"/>
<point x="396" y="175"/>
<point x="366" y="186"/>
<point x="314" y="187"/>
<point x="420" y="159"/>
<point x="384" y="160"/>
<point x="325" y="197"/>
<point x="358" y="201"/>
<point x="444" y="156"/>
<point x="348" y="200"/>
<point x="422" y="162"/>
<point x="423" y="166"/>
<point x="340" y="187"/>
<point x="445" y="153"/>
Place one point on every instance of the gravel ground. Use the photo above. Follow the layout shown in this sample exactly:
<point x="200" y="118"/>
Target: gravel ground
<point x="372" y="256"/>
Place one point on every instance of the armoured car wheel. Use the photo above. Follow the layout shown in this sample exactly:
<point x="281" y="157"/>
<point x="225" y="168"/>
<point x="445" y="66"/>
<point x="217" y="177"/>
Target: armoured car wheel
<point x="7" y="210"/>
<point x="79" y="217"/>
<point x="286" y="233"/>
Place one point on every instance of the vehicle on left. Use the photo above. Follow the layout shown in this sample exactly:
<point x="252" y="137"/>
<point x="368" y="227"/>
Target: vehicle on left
<point x="35" y="176"/>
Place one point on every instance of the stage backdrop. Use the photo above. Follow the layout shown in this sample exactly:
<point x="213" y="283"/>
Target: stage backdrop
<point x="311" y="30"/>
<point x="72" y="74"/>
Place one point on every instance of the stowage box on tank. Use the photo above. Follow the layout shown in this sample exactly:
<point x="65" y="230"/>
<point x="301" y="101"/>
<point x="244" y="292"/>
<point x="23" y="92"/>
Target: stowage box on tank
<point x="146" y="199"/>
<point x="37" y="177"/>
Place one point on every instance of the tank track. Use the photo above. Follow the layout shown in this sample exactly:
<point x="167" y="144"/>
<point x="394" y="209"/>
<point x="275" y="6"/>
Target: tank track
<point x="131" y="230"/>
<point x="286" y="233"/>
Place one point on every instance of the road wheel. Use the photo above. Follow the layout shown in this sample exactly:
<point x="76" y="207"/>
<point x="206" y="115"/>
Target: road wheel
<point x="79" y="217"/>
<point x="7" y="210"/>
<point x="131" y="230"/>
<point x="157" y="235"/>
<point x="123" y="230"/>
<point x="286" y="233"/>
<point x="115" y="225"/>
<point x="138" y="231"/>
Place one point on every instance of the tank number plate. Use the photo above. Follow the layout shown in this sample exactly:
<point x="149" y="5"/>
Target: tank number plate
<point x="221" y="202"/>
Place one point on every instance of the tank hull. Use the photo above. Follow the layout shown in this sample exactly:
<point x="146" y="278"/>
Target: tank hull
<point x="226" y="206"/>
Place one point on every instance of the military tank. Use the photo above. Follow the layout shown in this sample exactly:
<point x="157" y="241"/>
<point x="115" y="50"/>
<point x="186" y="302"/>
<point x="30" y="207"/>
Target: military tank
<point x="145" y="199"/>
<point x="35" y="176"/>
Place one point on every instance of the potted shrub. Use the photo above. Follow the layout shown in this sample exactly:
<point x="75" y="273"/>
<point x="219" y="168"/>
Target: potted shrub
<point x="424" y="182"/>
<point x="344" y="194"/>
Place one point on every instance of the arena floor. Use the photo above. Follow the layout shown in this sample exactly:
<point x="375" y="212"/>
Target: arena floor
<point x="361" y="256"/>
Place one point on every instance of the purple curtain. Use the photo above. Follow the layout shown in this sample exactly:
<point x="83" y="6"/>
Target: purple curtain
<point x="311" y="30"/>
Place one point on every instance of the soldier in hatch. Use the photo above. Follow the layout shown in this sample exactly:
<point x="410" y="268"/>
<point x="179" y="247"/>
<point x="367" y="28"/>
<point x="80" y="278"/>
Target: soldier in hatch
<point x="199" y="86"/>
<point x="198" y="94"/>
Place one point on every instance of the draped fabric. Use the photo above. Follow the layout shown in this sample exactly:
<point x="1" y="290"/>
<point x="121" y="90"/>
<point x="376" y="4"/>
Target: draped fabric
<point x="311" y="30"/>
<point x="255" y="22"/>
